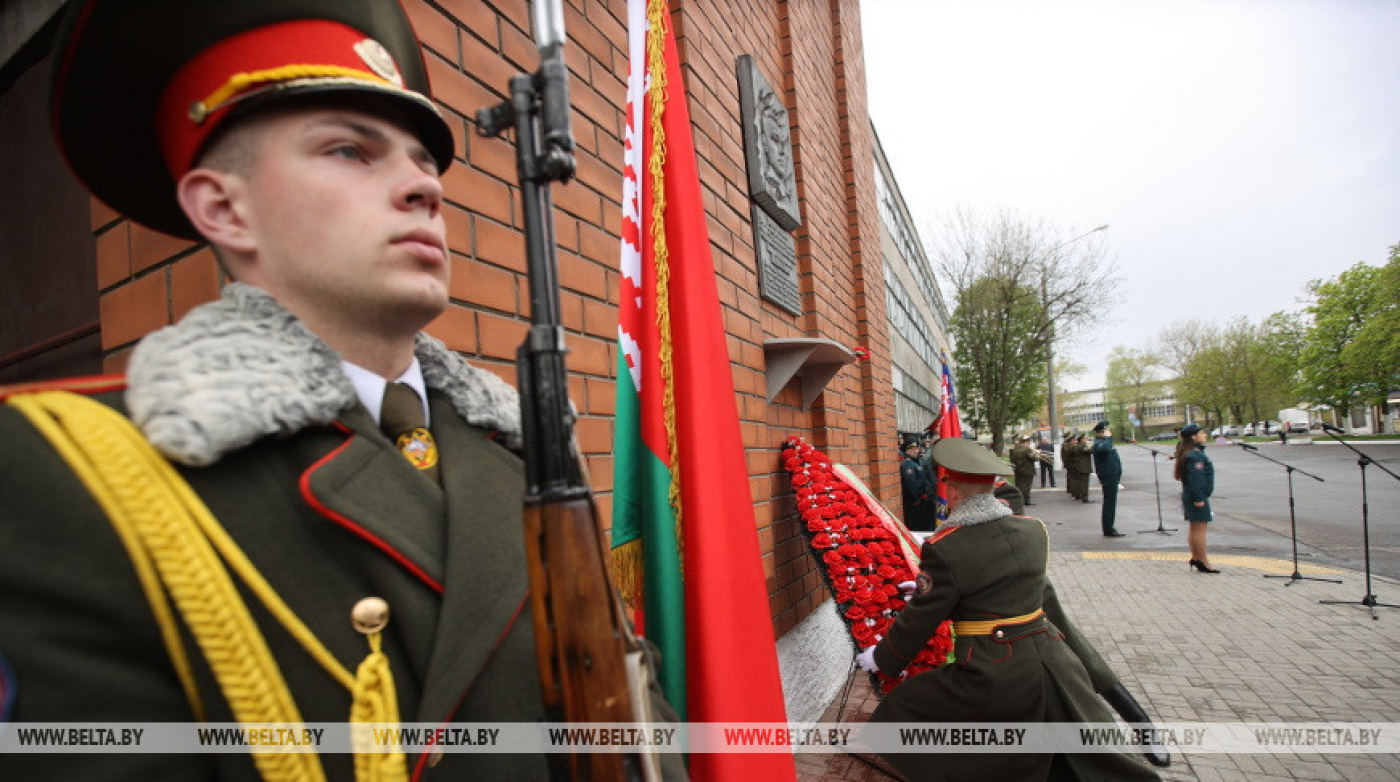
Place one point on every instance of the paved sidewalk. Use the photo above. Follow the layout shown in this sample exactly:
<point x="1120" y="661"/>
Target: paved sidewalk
<point x="1194" y="647"/>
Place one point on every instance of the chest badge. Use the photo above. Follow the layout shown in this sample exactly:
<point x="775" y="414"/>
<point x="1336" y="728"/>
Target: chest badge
<point x="418" y="447"/>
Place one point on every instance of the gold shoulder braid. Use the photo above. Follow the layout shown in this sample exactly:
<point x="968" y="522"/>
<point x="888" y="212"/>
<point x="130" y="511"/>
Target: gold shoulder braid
<point x="175" y="545"/>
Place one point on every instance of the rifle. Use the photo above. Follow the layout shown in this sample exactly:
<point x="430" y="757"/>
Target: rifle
<point x="591" y="664"/>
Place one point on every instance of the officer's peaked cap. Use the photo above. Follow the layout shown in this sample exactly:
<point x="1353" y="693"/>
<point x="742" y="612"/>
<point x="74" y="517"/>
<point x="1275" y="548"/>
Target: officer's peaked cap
<point x="141" y="86"/>
<point x="968" y="462"/>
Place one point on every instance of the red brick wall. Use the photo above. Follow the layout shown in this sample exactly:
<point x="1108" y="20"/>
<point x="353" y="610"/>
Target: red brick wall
<point x="811" y="53"/>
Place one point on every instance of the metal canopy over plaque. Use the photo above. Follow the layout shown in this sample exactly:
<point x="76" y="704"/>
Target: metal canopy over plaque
<point x="772" y="186"/>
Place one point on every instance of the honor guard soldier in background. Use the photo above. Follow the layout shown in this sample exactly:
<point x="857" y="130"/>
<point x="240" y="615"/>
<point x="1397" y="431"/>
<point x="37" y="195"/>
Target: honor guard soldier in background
<point x="1109" y="468"/>
<point x="1079" y="464"/>
<point x="298" y="506"/>
<point x="917" y="483"/>
<point x="1023" y="462"/>
<point x="1019" y="658"/>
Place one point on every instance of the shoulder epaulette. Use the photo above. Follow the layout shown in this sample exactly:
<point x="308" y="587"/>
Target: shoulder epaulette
<point x="87" y="385"/>
<point x="941" y="534"/>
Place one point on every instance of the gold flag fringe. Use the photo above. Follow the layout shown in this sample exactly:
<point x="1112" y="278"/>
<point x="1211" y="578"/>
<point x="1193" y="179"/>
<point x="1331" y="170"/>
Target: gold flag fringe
<point x="657" y="21"/>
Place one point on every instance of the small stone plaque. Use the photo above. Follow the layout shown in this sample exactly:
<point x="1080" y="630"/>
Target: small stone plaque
<point x="777" y="262"/>
<point x="767" y="146"/>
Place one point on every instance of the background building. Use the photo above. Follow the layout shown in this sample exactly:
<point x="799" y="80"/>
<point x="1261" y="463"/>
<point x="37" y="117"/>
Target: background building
<point x="1080" y="410"/>
<point x="919" y="333"/>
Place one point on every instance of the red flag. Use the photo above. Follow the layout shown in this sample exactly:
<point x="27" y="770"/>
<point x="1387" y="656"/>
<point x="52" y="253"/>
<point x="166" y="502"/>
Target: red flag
<point x="949" y="425"/>
<point x="731" y="666"/>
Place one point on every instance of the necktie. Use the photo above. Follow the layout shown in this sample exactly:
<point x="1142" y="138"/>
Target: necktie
<point x="401" y="418"/>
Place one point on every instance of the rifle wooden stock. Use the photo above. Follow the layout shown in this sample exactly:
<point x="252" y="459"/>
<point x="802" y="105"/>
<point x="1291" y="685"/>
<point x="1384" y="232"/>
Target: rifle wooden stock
<point x="581" y="637"/>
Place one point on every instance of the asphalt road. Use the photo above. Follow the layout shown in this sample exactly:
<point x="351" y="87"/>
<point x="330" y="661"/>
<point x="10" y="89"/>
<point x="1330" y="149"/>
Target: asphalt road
<point x="1251" y="506"/>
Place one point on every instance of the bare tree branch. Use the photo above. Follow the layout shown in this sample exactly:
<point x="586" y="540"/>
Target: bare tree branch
<point x="1018" y="285"/>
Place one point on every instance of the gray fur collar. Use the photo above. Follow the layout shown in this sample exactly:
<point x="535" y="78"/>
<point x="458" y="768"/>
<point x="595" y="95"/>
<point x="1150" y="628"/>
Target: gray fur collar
<point x="242" y="368"/>
<point x="977" y="509"/>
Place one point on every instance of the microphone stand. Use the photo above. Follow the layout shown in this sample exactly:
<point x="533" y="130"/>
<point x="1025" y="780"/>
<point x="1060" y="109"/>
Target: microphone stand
<point x="1164" y="530"/>
<point x="1365" y="461"/>
<point x="1292" y="516"/>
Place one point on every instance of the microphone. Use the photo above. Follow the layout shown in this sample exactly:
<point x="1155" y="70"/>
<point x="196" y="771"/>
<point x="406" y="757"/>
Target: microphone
<point x="1332" y="429"/>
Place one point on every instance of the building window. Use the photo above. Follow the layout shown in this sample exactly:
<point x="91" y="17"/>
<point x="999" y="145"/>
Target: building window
<point x="903" y="317"/>
<point x="915" y="406"/>
<point x="906" y="239"/>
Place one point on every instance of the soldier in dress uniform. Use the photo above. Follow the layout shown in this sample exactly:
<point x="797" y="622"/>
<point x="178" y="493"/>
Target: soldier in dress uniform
<point x="297" y="506"/>
<point x="1023" y="463"/>
<point x="1197" y="475"/>
<point x="1080" y="467"/>
<point x="1019" y="659"/>
<point x="917" y="484"/>
<point x="1109" y="467"/>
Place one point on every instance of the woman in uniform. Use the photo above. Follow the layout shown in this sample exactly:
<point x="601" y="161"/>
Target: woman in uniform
<point x="1197" y="476"/>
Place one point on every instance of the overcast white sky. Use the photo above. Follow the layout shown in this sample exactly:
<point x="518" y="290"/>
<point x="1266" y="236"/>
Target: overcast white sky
<point x="1236" y="148"/>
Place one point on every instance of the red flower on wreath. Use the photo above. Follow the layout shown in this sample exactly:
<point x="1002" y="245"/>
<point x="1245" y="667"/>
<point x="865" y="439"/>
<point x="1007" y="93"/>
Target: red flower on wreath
<point x="861" y="562"/>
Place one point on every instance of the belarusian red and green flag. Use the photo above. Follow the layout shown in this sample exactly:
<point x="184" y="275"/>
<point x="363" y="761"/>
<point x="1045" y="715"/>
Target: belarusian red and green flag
<point x="948" y="425"/>
<point x="683" y="532"/>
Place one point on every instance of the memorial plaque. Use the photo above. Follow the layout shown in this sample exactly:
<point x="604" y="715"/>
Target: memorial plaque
<point x="767" y="146"/>
<point x="776" y="251"/>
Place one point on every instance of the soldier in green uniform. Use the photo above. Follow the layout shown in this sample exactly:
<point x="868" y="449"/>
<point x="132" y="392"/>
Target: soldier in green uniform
<point x="1109" y="467"/>
<point x="1023" y="463"/>
<point x="1019" y="659"/>
<point x="317" y="513"/>
<point x="1080" y="467"/>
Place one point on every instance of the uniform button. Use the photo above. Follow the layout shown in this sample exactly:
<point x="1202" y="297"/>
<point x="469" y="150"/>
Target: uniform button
<point x="435" y="758"/>
<point x="370" y="615"/>
<point x="999" y="634"/>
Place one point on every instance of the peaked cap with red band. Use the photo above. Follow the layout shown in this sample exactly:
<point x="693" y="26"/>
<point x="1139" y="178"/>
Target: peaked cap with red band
<point x="968" y="462"/>
<point x="141" y="86"/>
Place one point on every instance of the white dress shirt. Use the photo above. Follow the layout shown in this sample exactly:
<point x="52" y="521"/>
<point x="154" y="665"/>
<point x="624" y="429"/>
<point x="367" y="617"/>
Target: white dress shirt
<point x="370" y="387"/>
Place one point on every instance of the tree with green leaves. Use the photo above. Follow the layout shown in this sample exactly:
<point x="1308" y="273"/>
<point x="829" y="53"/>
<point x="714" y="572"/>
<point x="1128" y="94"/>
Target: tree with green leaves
<point x="996" y="360"/>
<point x="1351" y="355"/>
<point x="1178" y="345"/>
<point x="1017" y="285"/>
<point x="1263" y="365"/>
<point x="1207" y="382"/>
<point x="1134" y="381"/>
<point x="1242" y="372"/>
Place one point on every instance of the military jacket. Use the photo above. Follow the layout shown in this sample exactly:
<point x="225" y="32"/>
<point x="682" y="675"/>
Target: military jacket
<point x="1197" y="484"/>
<point x="919" y="493"/>
<point x="1107" y="464"/>
<point x="1023" y="460"/>
<point x="327" y="511"/>
<point x="1077" y="458"/>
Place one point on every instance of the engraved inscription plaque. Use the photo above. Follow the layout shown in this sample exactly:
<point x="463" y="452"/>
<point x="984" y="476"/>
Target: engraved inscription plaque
<point x="777" y="262"/>
<point x="767" y="146"/>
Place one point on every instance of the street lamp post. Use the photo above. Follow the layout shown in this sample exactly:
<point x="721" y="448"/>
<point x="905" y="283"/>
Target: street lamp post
<point x="1050" y="344"/>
